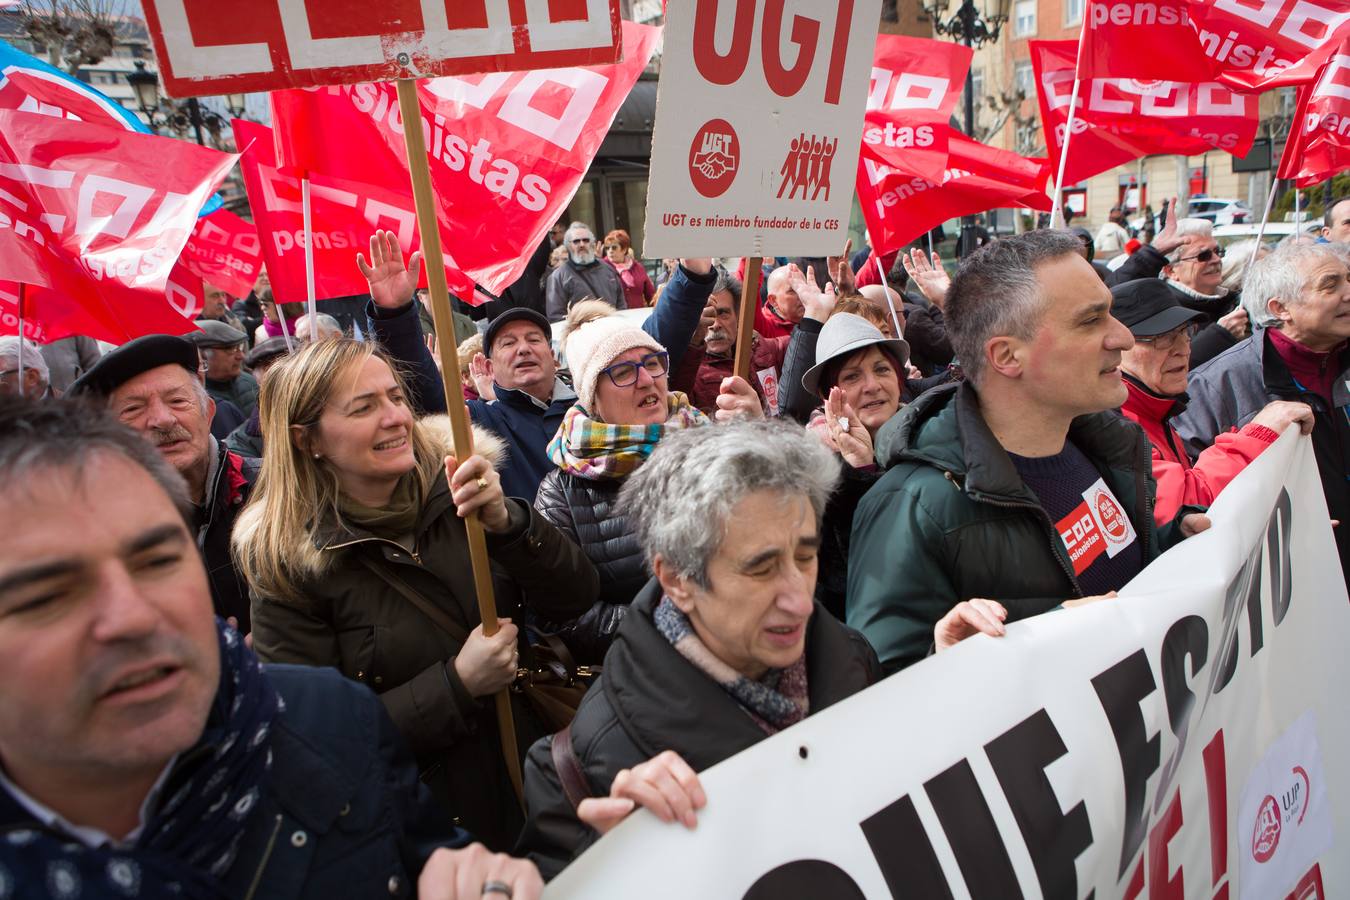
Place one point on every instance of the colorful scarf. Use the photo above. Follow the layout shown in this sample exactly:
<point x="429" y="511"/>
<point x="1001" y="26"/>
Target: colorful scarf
<point x="193" y="837"/>
<point x="590" y="448"/>
<point x="776" y="701"/>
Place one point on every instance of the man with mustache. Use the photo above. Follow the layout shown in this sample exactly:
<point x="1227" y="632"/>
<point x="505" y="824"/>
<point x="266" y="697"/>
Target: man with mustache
<point x="143" y="750"/>
<point x="153" y="385"/>
<point x="1020" y="489"/>
<point x="582" y="275"/>
<point x="710" y="361"/>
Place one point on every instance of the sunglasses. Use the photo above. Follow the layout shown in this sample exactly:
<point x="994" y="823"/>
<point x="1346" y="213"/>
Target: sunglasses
<point x="625" y="374"/>
<point x="1204" y="255"/>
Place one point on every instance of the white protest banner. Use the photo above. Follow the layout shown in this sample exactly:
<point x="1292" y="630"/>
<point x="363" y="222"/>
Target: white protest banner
<point x="759" y="118"/>
<point x="1189" y="739"/>
<point x="267" y="45"/>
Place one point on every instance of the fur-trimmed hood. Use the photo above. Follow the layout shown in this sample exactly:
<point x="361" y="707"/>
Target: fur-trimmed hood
<point x="486" y="443"/>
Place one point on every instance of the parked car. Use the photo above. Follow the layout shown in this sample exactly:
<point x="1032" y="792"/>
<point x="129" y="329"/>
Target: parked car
<point x="1220" y="211"/>
<point x="1274" y="233"/>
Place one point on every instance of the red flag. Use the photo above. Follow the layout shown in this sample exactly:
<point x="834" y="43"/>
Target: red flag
<point x="914" y="88"/>
<point x="1320" y="145"/>
<point x="185" y="291"/>
<point x="1248" y="45"/>
<point x="900" y="207"/>
<point x="224" y="250"/>
<point x="507" y="150"/>
<point x="1120" y="119"/>
<point x="97" y="215"/>
<point x="345" y="215"/>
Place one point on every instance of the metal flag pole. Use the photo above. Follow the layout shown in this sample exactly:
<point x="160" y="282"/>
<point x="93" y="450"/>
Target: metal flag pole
<point x="1057" y="214"/>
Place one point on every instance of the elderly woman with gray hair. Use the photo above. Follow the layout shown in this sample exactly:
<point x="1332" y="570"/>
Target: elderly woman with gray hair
<point x="723" y="648"/>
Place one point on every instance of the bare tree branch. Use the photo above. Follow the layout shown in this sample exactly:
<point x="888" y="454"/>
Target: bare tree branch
<point x="73" y="33"/>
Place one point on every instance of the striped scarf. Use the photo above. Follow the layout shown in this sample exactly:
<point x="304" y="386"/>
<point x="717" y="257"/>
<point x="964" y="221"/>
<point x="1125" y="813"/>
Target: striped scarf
<point x="776" y="701"/>
<point x="590" y="448"/>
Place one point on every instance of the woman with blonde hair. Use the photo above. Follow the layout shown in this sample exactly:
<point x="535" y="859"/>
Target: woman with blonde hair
<point x="355" y="549"/>
<point x="638" y="289"/>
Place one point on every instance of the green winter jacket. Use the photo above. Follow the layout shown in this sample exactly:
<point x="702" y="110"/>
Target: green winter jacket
<point x="952" y="520"/>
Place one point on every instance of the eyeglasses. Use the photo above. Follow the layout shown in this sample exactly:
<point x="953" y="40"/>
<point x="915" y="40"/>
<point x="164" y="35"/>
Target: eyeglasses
<point x="625" y="374"/>
<point x="1169" y="340"/>
<point x="8" y="372"/>
<point x="1204" y="255"/>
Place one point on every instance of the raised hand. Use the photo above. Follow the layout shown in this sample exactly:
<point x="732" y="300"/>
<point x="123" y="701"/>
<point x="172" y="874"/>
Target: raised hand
<point x="392" y="284"/>
<point x="841" y="273"/>
<point x="482" y="378"/>
<point x="928" y="275"/>
<point x="1166" y="240"/>
<point x="819" y="304"/>
<point x="848" y="434"/>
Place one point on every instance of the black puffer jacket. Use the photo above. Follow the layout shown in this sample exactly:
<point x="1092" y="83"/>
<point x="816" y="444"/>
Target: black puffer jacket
<point x="583" y="510"/>
<point x="651" y="699"/>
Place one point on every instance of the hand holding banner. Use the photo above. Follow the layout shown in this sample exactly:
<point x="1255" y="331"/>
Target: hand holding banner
<point x="1187" y="739"/>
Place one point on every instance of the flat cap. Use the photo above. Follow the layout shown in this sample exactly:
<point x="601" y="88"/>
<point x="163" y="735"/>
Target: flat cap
<point x="215" y="334"/>
<point x="119" y="366"/>
<point x="266" y="351"/>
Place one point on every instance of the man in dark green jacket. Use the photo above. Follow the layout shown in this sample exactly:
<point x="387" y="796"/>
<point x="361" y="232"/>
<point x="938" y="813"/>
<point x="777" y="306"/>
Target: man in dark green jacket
<point x="1020" y="490"/>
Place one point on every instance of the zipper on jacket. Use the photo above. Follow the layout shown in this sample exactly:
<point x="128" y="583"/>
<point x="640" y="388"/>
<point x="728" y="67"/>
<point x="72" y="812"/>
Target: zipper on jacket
<point x="1040" y="514"/>
<point x="267" y="855"/>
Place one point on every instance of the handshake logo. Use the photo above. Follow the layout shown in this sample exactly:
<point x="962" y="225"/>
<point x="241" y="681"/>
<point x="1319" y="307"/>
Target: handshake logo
<point x="714" y="158"/>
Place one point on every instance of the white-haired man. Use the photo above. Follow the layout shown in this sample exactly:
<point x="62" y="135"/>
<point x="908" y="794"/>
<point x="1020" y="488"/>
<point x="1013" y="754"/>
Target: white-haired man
<point x="1299" y="299"/>
<point x="327" y="327"/>
<point x="23" y="370"/>
<point x="583" y="275"/>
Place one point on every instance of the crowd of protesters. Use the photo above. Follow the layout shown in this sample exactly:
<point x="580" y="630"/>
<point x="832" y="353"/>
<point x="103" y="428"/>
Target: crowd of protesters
<point x="901" y="470"/>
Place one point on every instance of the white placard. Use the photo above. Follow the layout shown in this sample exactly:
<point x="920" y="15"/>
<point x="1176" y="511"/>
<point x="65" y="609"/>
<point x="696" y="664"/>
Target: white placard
<point x="759" y="120"/>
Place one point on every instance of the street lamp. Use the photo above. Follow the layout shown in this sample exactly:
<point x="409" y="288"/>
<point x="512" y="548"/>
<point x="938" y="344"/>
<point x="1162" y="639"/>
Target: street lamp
<point x="146" y="86"/>
<point x="235" y="104"/>
<point x="191" y="115"/>
<point x="974" y="28"/>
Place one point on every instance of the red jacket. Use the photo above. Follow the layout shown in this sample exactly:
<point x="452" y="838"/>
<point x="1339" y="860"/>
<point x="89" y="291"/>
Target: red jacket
<point x="1181" y="482"/>
<point x="700" y="373"/>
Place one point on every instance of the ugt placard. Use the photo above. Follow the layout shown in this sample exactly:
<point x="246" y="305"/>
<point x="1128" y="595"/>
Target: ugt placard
<point x="208" y="47"/>
<point x="759" y="119"/>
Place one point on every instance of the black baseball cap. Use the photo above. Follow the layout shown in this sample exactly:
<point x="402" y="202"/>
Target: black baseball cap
<point x="1147" y="306"/>
<point x="124" y="363"/>
<point x="516" y="314"/>
<point x="266" y="351"/>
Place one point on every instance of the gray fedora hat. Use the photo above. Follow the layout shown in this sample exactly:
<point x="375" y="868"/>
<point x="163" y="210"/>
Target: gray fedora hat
<point x="843" y="335"/>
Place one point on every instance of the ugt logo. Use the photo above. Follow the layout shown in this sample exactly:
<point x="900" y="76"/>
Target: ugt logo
<point x="713" y="158"/>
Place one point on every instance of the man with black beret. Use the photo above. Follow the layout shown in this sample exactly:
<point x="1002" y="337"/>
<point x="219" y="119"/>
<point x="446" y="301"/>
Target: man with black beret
<point x="152" y="385"/>
<point x="246" y="440"/>
<point x="1155" y="371"/>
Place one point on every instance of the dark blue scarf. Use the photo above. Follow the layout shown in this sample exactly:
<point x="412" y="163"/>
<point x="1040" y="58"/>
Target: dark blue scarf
<point x="192" y="837"/>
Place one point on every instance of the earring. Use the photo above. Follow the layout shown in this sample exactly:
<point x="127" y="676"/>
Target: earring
<point x="316" y="456"/>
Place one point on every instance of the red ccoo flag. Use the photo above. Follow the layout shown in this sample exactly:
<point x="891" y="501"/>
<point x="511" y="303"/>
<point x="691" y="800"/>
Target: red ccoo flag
<point x="96" y="216"/>
<point x="1320" y="145"/>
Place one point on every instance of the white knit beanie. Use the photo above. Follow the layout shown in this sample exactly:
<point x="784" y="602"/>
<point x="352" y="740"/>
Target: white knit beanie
<point x="593" y="346"/>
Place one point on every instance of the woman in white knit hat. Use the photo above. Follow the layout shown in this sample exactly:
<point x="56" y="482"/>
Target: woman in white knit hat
<point x="624" y="407"/>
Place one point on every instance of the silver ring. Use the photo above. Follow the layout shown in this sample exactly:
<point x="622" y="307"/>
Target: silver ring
<point x="843" y="424"/>
<point x="496" y="887"/>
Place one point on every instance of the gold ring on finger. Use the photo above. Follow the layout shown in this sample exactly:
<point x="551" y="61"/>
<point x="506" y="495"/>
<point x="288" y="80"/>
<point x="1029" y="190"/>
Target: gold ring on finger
<point x="482" y="484"/>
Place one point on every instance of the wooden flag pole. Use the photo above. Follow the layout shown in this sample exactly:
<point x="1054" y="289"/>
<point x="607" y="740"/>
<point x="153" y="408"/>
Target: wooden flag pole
<point x="454" y="397"/>
<point x="745" y="325"/>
